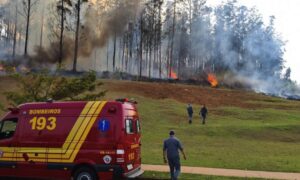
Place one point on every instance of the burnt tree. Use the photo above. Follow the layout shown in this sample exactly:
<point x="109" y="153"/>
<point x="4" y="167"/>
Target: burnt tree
<point x="27" y="14"/>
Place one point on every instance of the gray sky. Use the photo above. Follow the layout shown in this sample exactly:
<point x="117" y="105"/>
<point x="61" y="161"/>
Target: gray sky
<point x="287" y="24"/>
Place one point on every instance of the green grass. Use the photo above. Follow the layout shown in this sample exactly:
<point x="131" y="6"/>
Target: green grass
<point x="242" y="139"/>
<point x="266" y="137"/>
<point x="165" y="176"/>
<point x="260" y="139"/>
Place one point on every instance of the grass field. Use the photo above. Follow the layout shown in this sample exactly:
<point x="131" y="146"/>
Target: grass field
<point x="244" y="130"/>
<point x="264" y="139"/>
<point x="262" y="133"/>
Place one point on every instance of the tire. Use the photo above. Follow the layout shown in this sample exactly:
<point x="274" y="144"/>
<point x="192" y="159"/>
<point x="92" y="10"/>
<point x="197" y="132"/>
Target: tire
<point x="85" y="173"/>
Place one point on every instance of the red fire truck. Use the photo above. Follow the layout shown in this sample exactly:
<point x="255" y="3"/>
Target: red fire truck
<point x="71" y="140"/>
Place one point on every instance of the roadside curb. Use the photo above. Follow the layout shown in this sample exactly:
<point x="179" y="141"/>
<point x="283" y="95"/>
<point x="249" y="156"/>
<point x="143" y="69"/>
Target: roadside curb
<point x="226" y="172"/>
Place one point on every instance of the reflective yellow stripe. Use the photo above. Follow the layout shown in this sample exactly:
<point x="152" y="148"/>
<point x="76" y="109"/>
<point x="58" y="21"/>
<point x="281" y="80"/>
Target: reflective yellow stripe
<point x="85" y="133"/>
<point x="71" y="145"/>
<point x="86" y="110"/>
<point x="133" y="146"/>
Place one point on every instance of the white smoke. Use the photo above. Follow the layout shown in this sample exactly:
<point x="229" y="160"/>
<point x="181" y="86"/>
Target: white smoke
<point x="251" y="50"/>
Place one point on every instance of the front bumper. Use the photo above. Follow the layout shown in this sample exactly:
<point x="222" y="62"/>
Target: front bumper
<point x="134" y="173"/>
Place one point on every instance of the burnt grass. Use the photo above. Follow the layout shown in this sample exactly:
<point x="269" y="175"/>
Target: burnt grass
<point x="184" y="91"/>
<point x="201" y="94"/>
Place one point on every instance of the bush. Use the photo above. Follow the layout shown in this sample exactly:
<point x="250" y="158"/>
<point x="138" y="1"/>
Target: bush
<point x="1" y="107"/>
<point x="39" y="87"/>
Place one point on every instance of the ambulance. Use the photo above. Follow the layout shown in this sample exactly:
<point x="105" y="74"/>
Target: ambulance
<point x="71" y="140"/>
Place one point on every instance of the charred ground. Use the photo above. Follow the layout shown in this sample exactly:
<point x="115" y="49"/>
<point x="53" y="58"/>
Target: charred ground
<point x="197" y="94"/>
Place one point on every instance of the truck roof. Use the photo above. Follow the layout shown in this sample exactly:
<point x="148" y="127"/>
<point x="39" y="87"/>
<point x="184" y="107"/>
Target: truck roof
<point x="69" y="104"/>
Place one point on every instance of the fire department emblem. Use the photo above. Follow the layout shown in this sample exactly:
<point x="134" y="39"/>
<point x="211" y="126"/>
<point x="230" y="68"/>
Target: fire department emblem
<point x="107" y="159"/>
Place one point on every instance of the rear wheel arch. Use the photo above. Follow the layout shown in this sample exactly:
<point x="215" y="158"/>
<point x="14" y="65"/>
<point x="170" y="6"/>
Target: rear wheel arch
<point x="80" y="168"/>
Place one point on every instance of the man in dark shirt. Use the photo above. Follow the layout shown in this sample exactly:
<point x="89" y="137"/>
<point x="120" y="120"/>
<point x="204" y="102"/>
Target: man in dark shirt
<point x="170" y="149"/>
<point x="190" y="112"/>
<point x="203" y="113"/>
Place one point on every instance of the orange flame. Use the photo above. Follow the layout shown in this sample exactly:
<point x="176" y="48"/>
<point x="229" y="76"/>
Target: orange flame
<point x="212" y="79"/>
<point x="1" y="68"/>
<point x="173" y="75"/>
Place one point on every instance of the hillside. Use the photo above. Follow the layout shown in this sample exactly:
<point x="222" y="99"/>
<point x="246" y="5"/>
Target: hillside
<point x="212" y="97"/>
<point x="245" y="130"/>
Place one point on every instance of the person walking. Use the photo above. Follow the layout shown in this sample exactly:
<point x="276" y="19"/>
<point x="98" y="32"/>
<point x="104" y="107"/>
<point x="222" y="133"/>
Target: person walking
<point x="203" y="113"/>
<point x="171" y="149"/>
<point x="190" y="113"/>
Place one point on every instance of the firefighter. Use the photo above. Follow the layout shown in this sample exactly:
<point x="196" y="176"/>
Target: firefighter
<point x="171" y="149"/>
<point x="190" y="113"/>
<point x="203" y="113"/>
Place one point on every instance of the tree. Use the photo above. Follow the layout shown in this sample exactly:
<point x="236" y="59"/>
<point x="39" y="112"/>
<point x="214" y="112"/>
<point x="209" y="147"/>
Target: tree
<point x="60" y="27"/>
<point x="27" y="14"/>
<point x="39" y="87"/>
<point x="159" y="35"/>
<point x="183" y="46"/>
<point x="15" y="32"/>
<point x="186" y="36"/>
<point x="172" y="38"/>
<point x="77" y="12"/>
<point x="141" y="25"/>
<point x="149" y="33"/>
<point x="200" y="35"/>
<point x="62" y="10"/>
<point x="2" y="107"/>
<point x="244" y="45"/>
<point x="287" y="75"/>
<point x="9" y="28"/>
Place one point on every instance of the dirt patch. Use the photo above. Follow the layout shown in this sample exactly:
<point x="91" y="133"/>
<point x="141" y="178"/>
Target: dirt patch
<point x="212" y="97"/>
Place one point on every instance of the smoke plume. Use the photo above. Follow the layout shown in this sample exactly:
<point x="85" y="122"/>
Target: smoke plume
<point x="114" y="20"/>
<point x="100" y="21"/>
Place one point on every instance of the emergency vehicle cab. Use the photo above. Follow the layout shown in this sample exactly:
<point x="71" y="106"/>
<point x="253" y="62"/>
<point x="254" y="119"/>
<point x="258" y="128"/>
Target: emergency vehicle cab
<point x="71" y="140"/>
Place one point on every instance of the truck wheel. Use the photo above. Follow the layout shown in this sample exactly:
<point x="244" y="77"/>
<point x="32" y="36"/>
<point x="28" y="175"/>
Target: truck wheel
<point x="85" y="173"/>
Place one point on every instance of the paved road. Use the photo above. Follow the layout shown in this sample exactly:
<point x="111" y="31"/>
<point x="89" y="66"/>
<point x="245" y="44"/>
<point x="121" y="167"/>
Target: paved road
<point x="226" y="172"/>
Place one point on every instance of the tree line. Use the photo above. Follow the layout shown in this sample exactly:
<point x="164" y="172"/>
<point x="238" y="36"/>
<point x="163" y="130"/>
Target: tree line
<point x="151" y="38"/>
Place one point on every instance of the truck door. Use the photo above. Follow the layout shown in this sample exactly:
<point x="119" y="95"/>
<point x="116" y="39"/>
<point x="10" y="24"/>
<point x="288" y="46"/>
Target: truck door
<point x="7" y="146"/>
<point x="138" y="158"/>
<point x="133" y="142"/>
<point x="31" y="151"/>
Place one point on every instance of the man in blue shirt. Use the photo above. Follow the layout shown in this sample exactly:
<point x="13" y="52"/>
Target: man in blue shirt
<point x="190" y="113"/>
<point x="171" y="149"/>
<point x="203" y="113"/>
